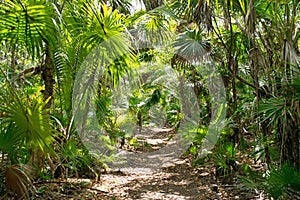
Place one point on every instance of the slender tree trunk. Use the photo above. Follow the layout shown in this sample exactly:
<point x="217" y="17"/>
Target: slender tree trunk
<point x="151" y="4"/>
<point x="48" y="77"/>
<point x="13" y="62"/>
<point x="289" y="140"/>
<point x="232" y="65"/>
<point x="236" y="129"/>
<point x="47" y="74"/>
<point x="289" y="132"/>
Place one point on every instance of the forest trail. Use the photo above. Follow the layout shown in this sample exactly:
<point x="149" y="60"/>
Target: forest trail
<point x="176" y="180"/>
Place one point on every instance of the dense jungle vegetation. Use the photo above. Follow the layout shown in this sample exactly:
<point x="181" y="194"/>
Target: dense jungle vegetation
<point x="245" y="50"/>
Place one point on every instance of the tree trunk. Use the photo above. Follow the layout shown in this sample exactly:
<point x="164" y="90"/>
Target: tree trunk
<point x="289" y="124"/>
<point x="48" y="77"/>
<point x="151" y="4"/>
<point x="289" y="140"/>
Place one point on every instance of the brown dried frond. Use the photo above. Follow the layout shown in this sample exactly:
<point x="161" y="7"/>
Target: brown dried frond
<point x="18" y="180"/>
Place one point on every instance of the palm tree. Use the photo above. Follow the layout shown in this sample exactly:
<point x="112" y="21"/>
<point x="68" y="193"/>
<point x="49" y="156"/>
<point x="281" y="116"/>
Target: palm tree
<point x="29" y="26"/>
<point x="240" y="34"/>
<point x="281" y="57"/>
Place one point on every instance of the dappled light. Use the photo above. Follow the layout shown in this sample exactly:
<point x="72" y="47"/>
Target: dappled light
<point x="149" y="99"/>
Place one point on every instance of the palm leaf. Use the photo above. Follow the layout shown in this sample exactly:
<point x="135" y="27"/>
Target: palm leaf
<point x="280" y="180"/>
<point x="18" y="180"/>
<point x="94" y="23"/>
<point x="151" y="28"/>
<point x="30" y="123"/>
<point x="272" y="108"/>
<point x="26" y="23"/>
<point x="191" y="47"/>
<point x="296" y="86"/>
<point x="10" y="143"/>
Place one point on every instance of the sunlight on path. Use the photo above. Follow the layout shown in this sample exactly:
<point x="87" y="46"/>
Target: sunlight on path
<point x="141" y="185"/>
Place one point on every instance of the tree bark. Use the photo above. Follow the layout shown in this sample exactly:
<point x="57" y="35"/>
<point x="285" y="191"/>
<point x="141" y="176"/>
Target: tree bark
<point x="48" y="77"/>
<point x="151" y="4"/>
<point x="289" y="140"/>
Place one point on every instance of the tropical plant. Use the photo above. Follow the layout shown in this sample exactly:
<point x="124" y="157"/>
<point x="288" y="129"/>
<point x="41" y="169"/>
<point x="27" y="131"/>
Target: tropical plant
<point x="25" y="139"/>
<point x="283" y="113"/>
<point x="47" y="45"/>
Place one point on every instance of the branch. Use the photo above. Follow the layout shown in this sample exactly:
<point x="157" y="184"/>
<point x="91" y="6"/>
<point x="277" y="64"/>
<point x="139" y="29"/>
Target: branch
<point x="244" y="81"/>
<point x="35" y="70"/>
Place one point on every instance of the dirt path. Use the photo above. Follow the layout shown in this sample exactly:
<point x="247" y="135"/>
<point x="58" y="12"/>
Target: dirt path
<point x="176" y="180"/>
<point x="179" y="181"/>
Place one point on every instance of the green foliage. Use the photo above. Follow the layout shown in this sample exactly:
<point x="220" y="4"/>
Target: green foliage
<point x="93" y="23"/>
<point x="173" y="111"/>
<point x="280" y="180"/>
<point x="149" y="96"/>
<point x="26" y="125"/>
<point x="133" y="142"/>
<point x="282" y="113"/>
<point x="253" y="44"/>
<point x="27" y="23"/>
<point x="75" y="156"/>
<point x="224" y="157"/>
<point x="260" y="144"/>
<point x="191" y="46"/>
<point x="142" y="100"/>
<point x="25" y="130"/>
<point x="44" y="175"/>
<point x="273" y="109"/>
<point x="278" y="183"/>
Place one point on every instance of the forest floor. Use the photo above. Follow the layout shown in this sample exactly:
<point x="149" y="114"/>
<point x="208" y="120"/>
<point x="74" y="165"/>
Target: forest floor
<point x="177" y="180"/>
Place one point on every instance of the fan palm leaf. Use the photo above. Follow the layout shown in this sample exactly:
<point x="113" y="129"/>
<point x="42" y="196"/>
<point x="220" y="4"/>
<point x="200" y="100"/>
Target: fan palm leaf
<point x="28" y="125"/>
<point x="151" y="28"/>
<point x="191" y="47"/>
<point x="18" y="180"/>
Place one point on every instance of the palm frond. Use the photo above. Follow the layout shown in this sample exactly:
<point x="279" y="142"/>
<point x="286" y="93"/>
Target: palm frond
<point x="10" y="143"/>
<point x="280" y="180"/>
<point x="151" y="28"/>
<point x="296" y="85"/>
<point x="94" y="23"/>
<point x="30" y="123"/>
<point x="190" y="47"/>
<point x="18" y="180"/>
<point x="122" y="5"/>
<point x="27" y="24"/>
<point x="272" y="108"/>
